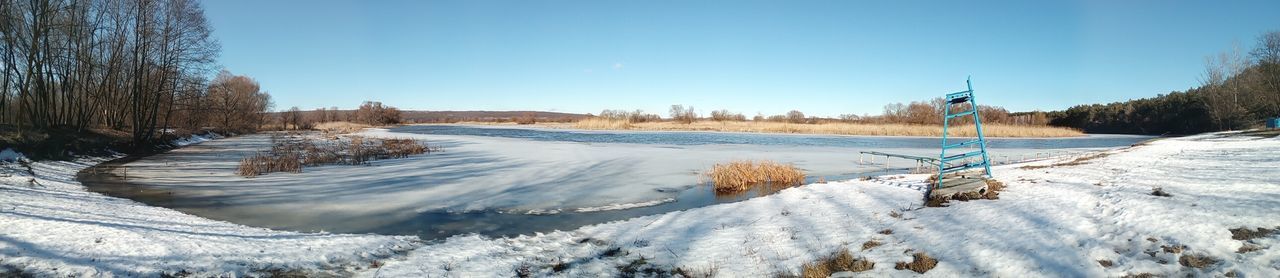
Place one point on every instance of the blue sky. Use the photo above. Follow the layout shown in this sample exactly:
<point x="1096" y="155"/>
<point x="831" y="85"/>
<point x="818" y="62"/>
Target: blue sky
<point x="822" y="57"/>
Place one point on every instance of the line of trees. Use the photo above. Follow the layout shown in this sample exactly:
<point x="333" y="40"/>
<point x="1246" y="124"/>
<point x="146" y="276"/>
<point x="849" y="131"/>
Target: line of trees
<point x="918" y="112"/>
<point x="370" y="112"/>
<point x="1238" y="90"/>
<point x="135" y="65"/>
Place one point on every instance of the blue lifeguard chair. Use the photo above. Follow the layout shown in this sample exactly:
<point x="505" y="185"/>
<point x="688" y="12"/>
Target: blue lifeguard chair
<point x="961" y="161"/>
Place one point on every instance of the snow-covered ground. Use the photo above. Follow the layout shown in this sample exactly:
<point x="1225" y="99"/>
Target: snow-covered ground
<point x="1054" y="221"/>
<point x="1059" y="221"/>
<point x="51" y="226"/>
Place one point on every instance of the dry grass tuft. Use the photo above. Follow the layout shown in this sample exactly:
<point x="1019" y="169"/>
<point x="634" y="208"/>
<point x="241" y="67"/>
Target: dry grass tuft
<point x="1246" y="248"/>
<point x="738" y="176"/>
<point x="1244" y="233"/>
<point x="920" y="263"/>
<point x="991" y="130"/>
<point x="1105" y="263"/>
<point x="1197" y="261"/>
<point x="870" y="244"/>
<point x="840" y="261"/>
<point x="1175" y="249"/>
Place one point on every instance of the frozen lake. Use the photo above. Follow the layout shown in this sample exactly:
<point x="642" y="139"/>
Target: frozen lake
<point x="503" y="181"/>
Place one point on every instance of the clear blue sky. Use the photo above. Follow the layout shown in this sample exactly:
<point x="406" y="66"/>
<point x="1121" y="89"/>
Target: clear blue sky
<point x="822" y="57"/>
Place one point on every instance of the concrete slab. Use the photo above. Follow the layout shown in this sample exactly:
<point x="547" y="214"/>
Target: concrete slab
<point x="960" y="184"/>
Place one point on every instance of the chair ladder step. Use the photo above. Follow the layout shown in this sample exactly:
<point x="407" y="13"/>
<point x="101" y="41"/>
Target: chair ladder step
<point x="961" y="114"/>
<point x="961" y="144"/>
<point x="963" y="155"/>
<point x="961" y="167"/>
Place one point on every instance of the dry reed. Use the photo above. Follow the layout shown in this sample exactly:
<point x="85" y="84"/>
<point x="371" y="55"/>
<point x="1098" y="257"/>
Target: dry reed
<point x="339" y="127"/>
<point x="738" y="176"/>
<point x="289" y="154"/>
<point x="990" y="130"/>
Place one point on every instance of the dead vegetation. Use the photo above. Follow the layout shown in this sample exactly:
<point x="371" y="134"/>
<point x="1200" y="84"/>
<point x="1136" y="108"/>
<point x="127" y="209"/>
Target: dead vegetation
<point x="738" y="176"/>
<point x="1106" y="263"/>
<point x="334" y="128"/>
<point x="1160" y="192"/>
<point x="992" y="192"/>
<point x="920" y="263"/>
<point x="291" y="153"/>
<point x="1244" y="233"/>
<point x="1246" y="248"/>
<point x="1197" y="261"/>
<point x="870" y="244"/>
<point x="840" y="261"/>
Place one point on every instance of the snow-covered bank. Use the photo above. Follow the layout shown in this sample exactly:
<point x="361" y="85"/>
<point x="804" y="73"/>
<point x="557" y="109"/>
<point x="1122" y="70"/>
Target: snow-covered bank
<point x="51" y="226"/>
<point x="1095" y="218"/>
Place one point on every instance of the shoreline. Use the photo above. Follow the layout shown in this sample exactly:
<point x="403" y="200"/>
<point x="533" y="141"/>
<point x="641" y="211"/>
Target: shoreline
<point x="916" y="131"/>
<point x="570" y="128"/>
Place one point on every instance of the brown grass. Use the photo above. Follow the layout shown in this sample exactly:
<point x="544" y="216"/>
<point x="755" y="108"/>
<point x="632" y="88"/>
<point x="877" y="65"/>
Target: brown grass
<point x="920" y="263"/>
<point x="339" y="127"/>
<point x="1196" y="261"/>
<point x="991" y="130"/>
<point x="1246" y="248"/>
<point x="738" y="176"/>
<point x="870" y="244"/>
<point x="839" y="261"/>
<point x="1105" y="263"/>
<point x="1244" y="233"/>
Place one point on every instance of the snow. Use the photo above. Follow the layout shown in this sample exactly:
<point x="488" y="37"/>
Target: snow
<point x="195" y="139"/>
<point x="9" y="155"/>
<point x="51" y="226"/>
<point x="1055" y="222"/>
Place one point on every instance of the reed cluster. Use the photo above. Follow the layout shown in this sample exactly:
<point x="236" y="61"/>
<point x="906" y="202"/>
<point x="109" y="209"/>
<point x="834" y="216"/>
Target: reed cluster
<point x="339" y="127"/>
<point x="291" y="154"/>
<point x="738" y="176"/>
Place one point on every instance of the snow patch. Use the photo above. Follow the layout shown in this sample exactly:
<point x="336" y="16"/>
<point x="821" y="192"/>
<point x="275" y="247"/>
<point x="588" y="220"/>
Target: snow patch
<point x="10" y="155"/>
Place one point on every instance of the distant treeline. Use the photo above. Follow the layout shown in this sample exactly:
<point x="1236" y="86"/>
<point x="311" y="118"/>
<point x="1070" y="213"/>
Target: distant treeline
<point x="376" y="113"/>
<point x="1239" y="90"/>
<point x="917" y="112"/>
